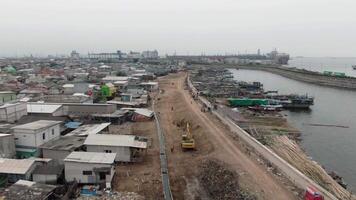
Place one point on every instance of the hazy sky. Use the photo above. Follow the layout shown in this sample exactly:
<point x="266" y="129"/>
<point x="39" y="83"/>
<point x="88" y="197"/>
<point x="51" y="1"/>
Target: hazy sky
<point x="299" y="27"/>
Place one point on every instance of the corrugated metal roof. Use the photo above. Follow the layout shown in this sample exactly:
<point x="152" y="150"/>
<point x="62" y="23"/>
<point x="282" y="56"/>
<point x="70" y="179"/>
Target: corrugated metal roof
<point x="40" y="124"/>
<point x="42" y="108"/>
<point x="89" y="129"/>
<point x="91" y="157"/>
<point x="15" y="166"/>
<point x="115" y="140"/>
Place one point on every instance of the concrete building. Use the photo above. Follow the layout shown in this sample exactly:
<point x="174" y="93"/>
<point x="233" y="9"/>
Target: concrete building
<point x="88" y="109"/>
<point x="68" y="88"/>
<point x="59" y="149"/>
<point x="12" y="112"/>
<point x="126" y="147"/>
<point x="15" y="169"/>
<point x="7" y="146"/>
<point x="29" y="137"/>
<point x="90" y="167"/>
<point x="6" y="96"/>
<point x="150" y="54"/>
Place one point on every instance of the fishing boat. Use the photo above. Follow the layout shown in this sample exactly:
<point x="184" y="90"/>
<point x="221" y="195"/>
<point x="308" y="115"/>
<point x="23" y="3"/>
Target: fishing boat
<point x="292" y="101"/>
<point x="354" y="67"/>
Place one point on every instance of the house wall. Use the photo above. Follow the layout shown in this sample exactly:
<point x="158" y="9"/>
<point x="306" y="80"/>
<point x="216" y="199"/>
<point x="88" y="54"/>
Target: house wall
<point x="30" y="138"/>
<point x="7" y="147"/>
<point x="56" y="155"/>
<point x="45" y="178"/>
<point x="6" y="97"/>
<point x="13" y="113"/>
<point x="123" y="154"/>
<point x="74" y="170"/>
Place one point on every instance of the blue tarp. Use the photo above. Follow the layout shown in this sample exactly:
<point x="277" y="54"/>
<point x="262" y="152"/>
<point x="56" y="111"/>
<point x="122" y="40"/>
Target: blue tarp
<point x="73" y="125"/>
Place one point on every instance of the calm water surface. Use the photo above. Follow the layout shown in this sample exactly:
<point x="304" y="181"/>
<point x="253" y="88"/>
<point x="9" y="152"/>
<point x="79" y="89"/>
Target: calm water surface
<point x="334" y="148"/>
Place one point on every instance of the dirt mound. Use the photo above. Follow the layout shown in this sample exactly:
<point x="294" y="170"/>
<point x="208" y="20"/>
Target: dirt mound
<point x="221" y="183"/>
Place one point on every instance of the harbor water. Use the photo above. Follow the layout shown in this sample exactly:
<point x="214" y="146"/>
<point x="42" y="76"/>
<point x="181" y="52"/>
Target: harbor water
<point x="325" y="64"/>
<point x="334" y="148"/>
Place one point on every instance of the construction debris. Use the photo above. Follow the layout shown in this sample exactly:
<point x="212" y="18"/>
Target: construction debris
<point x="214" y="175"/>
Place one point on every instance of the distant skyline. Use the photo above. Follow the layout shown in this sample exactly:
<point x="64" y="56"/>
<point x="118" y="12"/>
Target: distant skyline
<point x="317" y="28"/>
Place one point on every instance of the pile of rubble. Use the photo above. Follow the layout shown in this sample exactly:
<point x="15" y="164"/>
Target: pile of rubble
<point x="113" y="196"/>
<point x="221" y="183"/>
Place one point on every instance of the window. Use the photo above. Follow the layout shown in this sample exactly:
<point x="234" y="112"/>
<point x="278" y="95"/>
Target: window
<point x="43" y="136"/>
<point x="108" y="151"/>
<point x="52" y="131"/>
<point x="87" y="172"/>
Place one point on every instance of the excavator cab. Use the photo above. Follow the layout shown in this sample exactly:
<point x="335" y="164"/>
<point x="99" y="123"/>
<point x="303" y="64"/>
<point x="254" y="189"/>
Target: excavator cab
<point x="188" y="141"/>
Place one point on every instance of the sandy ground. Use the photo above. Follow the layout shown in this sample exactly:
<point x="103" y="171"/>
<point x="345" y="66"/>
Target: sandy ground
<point x="213" y="140"/>
<point x="143" y="177"/>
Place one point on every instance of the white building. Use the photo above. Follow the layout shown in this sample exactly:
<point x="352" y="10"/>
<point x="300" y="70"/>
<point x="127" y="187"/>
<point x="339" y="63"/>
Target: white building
<point x="68" y="88"/>
<point x="150" y="54"/>
<point x="28" y="137"/>
<point x="126" y="147"/>
<point x="12" y="112"/>
<point x="90" y="167"/>
<point x="50" y="109"/>
<point x="7" y="146"/>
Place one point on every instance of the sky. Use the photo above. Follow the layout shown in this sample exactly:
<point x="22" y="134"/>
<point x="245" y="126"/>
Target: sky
<point x="299" y="27"/>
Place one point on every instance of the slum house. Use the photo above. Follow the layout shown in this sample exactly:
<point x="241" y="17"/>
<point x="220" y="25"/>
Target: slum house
<point x="118" y="117"/>
<point x="89" y="129"/>
<point x="7" y="146"/>
<point x="12" y="170"/>
<point x="48" y="174"/>
<point x="140" y="114"/>
<point x="90" y="168"/>
<point x="150" y="86"/>
<point x="127" y="147"/>
<point x="45" y="109"/>
<point x="29" y="137"/>
<point x="59" y="149"/>
<point x="6" y="96"/>
<point x="25" y="190"/>
<point x="12" y="112"/>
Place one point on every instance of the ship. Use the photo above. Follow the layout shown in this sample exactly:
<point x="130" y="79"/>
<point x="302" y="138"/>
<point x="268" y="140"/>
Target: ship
<point x="293" y="101"/>
<point x="354" y="67"/>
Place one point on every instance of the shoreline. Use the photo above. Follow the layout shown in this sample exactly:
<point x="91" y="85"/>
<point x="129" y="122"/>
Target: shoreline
<point x="291" y="146"/>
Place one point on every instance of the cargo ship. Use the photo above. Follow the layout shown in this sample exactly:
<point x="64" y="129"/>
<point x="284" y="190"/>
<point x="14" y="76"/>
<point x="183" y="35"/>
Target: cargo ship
<point x="292" y="101"/>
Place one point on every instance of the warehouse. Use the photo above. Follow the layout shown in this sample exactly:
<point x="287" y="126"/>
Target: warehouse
<point x="128" y="148"/>
<point x="90" y="167"/>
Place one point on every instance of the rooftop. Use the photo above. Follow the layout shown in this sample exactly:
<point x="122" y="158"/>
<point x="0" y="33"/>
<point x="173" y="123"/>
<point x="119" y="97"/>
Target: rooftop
<point x="42" y="108"/>
<point x="91" y="157"/>
<point x="23" y="190"/>
<point x="48" y="169"/>
<point x="89" y="129"/>
<point x="15" y="166"/>
<point x="37" y="125"/>
<point x="115" y="140"/>
<point x="116" y="78"/>
<point x="66" y="143"/>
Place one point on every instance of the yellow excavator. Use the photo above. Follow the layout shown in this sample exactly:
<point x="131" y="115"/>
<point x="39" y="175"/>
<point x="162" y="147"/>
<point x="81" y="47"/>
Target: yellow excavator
<point x="188" y="142"/>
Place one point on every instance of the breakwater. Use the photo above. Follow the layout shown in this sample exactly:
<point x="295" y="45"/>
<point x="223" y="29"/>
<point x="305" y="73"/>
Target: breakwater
<point x="307" y="76"/>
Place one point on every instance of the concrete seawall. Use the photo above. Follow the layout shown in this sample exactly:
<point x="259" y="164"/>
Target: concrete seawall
<point x="293" y="174"/>
<point x="307" y="76"/>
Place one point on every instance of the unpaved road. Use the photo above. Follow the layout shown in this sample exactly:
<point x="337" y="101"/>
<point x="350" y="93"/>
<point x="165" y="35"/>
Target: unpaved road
<point x="213" y="141"/>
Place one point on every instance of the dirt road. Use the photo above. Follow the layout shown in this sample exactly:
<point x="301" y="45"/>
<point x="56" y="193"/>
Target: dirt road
<point x="214" y="140"/>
